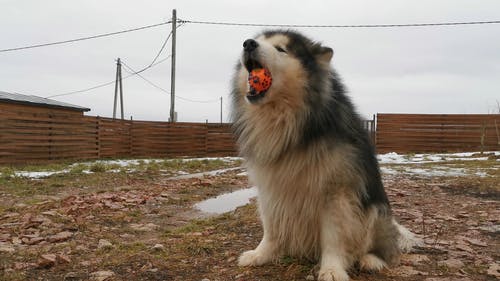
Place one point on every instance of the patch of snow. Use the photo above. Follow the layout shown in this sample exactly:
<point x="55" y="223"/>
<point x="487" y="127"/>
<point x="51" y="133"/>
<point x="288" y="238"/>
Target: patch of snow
<point x="38" y="175"/>
<point x="388" y="171"/>
<point x="225" y="159"/>
<point x="395" y="158"/>
<point x="436" y="172"/>
<point x="391" y="158"/>
<point x="481" y="174"/>
<point x="202" y="174"/>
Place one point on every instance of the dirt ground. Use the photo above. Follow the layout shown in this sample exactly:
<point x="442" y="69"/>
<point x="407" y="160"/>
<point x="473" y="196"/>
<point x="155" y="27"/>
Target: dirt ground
<point x="140" y="225"/>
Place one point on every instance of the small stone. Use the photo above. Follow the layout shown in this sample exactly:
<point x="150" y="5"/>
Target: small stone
<point x="205" y="279"/>
<point x="310" y="277"/>
<point x="101" y="275"/>
<point x="104" y="244"/>
<point x="158" y="247"/>
<point x="231" y="259"/>
<point x="62" y="258"/>
<point x="46" y="261"/>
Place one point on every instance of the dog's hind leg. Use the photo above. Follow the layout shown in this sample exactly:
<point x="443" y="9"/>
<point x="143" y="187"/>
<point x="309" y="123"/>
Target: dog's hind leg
<point x="371" y="263"/>
<point x="407" y="240"/>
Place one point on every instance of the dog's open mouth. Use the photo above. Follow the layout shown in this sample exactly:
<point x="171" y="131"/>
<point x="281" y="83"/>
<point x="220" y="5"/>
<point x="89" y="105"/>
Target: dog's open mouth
<point x="259" y="80"/>
<point x="251" y="64"/>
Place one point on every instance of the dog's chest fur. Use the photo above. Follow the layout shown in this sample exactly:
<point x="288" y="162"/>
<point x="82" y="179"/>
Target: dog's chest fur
<point x="293" y="193"/>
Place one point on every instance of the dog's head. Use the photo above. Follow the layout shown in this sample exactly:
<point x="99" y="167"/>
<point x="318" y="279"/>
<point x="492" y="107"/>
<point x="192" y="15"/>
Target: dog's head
<point x="294" y="62"/>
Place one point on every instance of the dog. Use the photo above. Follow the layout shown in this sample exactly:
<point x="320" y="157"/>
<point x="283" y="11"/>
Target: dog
<point x="320" y="193"/>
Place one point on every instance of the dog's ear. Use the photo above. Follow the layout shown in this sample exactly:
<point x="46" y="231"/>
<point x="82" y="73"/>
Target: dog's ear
<point x="325" y="54"/>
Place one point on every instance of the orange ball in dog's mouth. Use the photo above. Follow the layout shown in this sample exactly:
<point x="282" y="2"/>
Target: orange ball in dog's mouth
<point x="260" y="81"/>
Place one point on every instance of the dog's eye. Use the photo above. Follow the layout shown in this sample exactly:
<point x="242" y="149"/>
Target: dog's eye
<point x="280" y="49"/>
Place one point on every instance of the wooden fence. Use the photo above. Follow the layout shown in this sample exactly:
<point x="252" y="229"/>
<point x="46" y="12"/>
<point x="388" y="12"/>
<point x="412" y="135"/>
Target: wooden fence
<point x="40" y="136"/>
<point x="437" y="132"/>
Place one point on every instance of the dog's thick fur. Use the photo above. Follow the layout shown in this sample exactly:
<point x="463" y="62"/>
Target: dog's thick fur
<point x="320" y="191"/>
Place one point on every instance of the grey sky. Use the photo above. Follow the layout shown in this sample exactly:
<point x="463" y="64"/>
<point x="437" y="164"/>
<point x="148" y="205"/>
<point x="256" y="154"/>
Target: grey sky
<point x="411" y="70"/>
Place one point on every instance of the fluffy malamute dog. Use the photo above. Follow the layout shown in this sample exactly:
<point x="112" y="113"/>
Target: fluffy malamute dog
<point x="320" y="194"/>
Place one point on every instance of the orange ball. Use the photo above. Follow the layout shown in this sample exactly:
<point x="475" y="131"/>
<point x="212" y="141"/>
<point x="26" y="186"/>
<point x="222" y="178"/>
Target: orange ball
<point x="260" y="79"/>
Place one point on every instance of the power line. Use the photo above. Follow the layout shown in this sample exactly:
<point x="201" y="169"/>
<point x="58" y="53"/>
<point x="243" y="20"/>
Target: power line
<point x="132" y="71"/>
<point x="85" y="38"/>
<point x="110" y="82"/>
<point x="341" y="26"/>
<point x="161" y="49"/>
<point x="153" y="63"/>
<point x="248" y="24"/>
<point x="197" y="101"/>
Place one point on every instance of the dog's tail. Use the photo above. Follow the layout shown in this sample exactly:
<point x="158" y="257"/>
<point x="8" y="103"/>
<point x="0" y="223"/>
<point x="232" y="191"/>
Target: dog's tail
<point x="407" y="240"/>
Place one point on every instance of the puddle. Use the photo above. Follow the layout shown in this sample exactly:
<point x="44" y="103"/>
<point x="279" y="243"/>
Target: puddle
<point x="227" y="202"/>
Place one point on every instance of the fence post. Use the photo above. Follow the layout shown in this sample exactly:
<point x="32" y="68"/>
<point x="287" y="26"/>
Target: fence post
<point x="50" y="136"/>
<point x="130" y="138"/>
<point x="98" y="136"/>
<point x="206" y="139"/>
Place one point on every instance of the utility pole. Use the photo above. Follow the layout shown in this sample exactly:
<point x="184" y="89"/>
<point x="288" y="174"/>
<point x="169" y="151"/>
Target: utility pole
<point x="118" y="83"/>
<point x="172" y="78"/>
<point x="221" y="110"/>
<point x="121" y="87"/>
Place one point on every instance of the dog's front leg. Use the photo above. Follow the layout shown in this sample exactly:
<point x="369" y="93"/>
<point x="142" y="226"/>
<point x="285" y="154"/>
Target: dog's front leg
<point x="267" y="250"/>
<point x="333" y="255"/>
<point x="264" y="253"/>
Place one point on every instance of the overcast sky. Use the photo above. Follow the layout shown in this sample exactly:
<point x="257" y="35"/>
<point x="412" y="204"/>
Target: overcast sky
<point x="453" y="69"/>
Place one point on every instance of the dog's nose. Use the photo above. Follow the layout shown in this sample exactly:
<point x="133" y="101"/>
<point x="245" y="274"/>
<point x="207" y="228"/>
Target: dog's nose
<point x="250" y="45"/>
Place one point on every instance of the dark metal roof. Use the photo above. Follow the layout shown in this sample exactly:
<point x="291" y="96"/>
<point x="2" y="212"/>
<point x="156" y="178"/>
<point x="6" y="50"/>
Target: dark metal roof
<point x="38" y="101"/>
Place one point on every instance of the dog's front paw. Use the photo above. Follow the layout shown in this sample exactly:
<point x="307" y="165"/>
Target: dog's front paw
<point x="332" y="274"/>
<point x="253" y="258"/>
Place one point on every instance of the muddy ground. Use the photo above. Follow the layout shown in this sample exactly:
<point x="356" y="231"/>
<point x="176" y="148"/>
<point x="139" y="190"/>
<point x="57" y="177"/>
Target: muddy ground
<point x="140" y="225"/>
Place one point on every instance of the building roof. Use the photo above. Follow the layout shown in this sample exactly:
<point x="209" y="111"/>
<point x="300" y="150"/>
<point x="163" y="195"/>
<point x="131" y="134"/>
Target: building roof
<point x="38" y="101"/>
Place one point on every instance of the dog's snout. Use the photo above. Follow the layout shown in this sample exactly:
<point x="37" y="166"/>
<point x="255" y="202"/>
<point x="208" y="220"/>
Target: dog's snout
<point x="250" y="45"/>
